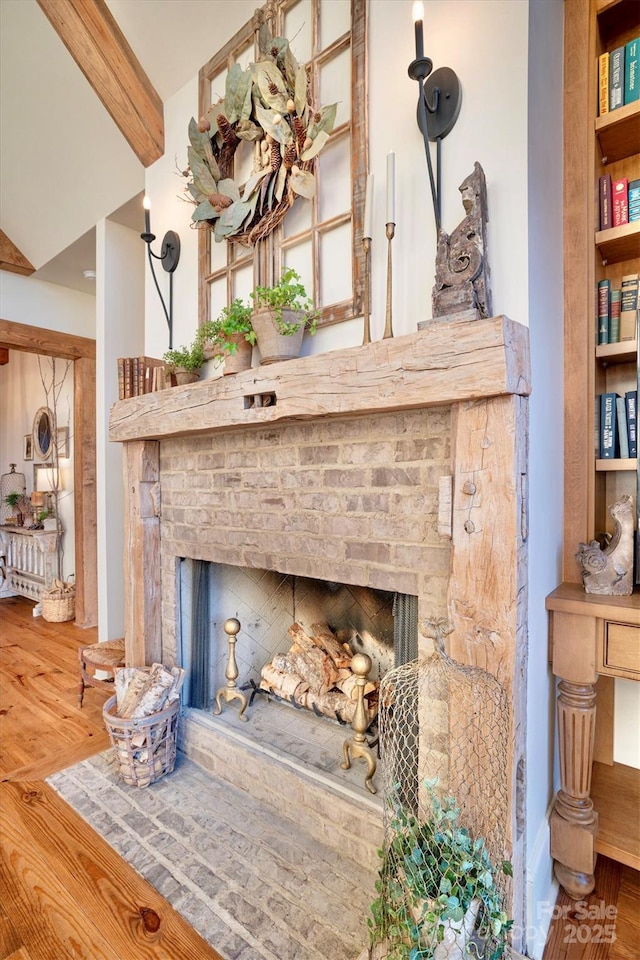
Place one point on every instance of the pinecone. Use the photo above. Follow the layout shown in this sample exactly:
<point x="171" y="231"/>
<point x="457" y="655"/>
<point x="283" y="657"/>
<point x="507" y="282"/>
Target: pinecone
<point x="317" y="117"/>
<point x="299" y="130"/>
<point x="276" y="156"/>
<point x="225" y="128"/>
<point x="273" y="88"/>
<point x="290" y="155"/>
<point x="219" y="202"/>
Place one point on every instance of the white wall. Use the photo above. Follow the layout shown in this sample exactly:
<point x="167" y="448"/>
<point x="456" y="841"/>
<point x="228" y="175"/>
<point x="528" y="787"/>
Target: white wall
<point x="21" y="395"/>
<point x="48" y="305"/>
<point x="120" y="258"/>
<point x="545" y="292"/>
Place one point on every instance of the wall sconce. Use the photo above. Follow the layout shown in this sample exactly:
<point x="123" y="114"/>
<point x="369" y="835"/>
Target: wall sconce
<point x="169" y="257"/>
<point x="439" y="103"/>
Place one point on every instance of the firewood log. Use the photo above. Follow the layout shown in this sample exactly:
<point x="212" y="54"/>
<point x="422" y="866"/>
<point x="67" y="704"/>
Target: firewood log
<point x="324" y="638"/>
<point x="315" y="667"/>
<point x="281" y="683"/>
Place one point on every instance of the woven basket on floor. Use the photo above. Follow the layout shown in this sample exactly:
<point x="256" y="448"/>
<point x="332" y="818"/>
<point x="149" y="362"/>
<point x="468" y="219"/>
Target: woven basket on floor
<point x="59" y="602"/>
<point x="145" y="749"/>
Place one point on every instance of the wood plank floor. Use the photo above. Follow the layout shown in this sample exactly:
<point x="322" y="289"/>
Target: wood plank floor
<point x="64" y="893"/>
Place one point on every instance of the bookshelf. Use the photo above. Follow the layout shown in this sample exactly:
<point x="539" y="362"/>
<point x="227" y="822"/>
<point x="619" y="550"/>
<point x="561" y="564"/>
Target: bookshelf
<point x="587" y="819"/>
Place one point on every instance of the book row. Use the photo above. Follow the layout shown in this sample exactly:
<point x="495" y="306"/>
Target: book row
<point x="619" y="201"/>
<point x="138" y="375"/>
<point x="618" y="310"/>
<point x="618" y="430"/>
<point x="618" y="79"/>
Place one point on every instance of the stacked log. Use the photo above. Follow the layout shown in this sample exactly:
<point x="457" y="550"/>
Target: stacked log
<point x="316" y="673"/>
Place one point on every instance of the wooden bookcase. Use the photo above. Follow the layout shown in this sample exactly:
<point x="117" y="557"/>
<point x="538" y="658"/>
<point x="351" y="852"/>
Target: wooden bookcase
<point x="587" y="818"/>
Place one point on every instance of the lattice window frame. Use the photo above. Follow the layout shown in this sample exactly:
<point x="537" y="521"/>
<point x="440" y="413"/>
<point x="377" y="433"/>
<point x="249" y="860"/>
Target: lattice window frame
<point x="268" y="257"/>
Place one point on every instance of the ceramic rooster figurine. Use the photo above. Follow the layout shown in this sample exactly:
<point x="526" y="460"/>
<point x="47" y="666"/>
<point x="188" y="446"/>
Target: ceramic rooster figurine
<point x="610" y="570"/>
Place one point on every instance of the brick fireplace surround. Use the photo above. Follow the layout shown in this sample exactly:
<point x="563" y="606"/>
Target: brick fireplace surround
<point x="399" y="465"/>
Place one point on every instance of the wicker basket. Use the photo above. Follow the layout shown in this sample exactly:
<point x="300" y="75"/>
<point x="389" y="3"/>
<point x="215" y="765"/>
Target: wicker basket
<point x="145" y="749"/>
<point x="59" y="602"/>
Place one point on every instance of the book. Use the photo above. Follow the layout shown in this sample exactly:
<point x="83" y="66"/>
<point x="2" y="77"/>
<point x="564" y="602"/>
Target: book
<point x="146" y="365"/>
<point x="631" y="75"/>
<point x="629" y="307"/>
<point x="621" y="420"/>
<point x="120" y="378"/>
<point x="620" y="201"/>
<point x="128" y="378"/>
<point x="606" y="216"/>
<point x="614" y="316"/>
<point x="608" y="438"/>
<point x="631" y="401"/>
<point x="633" y="197"/>
<point x="603" y="84"/>
<point x="616" y="78"/>
<point x="604" y="289"/>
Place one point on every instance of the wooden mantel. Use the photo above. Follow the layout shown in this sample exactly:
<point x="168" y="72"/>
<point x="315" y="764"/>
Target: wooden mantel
<point x="444" y="363"/>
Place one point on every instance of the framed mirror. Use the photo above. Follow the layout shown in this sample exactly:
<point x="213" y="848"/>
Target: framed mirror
<point x="43" y="427"/>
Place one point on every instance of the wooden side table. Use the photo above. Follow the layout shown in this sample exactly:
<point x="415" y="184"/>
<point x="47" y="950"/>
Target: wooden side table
<point x="591" y="636"/>
<point x="99" y="656"/>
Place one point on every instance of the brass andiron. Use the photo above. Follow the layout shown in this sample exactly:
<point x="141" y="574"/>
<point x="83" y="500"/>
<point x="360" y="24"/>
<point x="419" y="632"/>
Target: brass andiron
<point x="231" y="692"/>
<point x="388" y="325"/>
<point x="366" y="244"/>
<point x="357" y="745"/>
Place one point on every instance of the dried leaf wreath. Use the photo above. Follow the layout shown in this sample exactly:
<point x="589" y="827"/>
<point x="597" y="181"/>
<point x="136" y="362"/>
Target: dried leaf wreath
<point x="267" y="104"/>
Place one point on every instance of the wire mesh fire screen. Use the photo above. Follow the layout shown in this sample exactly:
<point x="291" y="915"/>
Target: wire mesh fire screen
<point x="443" y="878"/>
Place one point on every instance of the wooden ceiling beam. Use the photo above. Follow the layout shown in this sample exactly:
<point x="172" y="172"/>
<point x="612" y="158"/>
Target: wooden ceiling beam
<point x="96" y="43"/>
<point x="11" y="259"/>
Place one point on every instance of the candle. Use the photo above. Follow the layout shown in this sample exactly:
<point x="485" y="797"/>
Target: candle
<point x="418" y="13"/>
<point x="391" y="189"/>
<point x="368" y="209"/>
<point x="146" y="203"/>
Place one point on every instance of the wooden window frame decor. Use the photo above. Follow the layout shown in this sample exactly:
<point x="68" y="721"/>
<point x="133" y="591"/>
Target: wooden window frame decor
<point x="267" y="257"/>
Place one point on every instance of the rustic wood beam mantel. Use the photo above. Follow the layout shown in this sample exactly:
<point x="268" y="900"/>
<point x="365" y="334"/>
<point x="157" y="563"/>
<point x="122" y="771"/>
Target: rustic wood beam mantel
<point x="11" y="259"/>
<point x="444" y="363"/>
<point x="98" y="46"/>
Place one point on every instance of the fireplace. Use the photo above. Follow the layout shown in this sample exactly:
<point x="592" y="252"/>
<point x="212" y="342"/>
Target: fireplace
<point x="398" y="466"/>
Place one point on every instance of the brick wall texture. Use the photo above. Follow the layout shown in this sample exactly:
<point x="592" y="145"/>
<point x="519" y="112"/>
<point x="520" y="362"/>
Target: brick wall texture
<point x="353" y="500"/>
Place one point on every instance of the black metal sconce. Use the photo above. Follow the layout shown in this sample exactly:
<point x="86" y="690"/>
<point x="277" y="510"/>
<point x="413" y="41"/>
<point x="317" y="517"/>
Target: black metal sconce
<point x="439" y="103"/>
<point x="169" y="257"/>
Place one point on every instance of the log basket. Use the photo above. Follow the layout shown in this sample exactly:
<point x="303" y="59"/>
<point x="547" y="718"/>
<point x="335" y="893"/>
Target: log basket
<point x="145" y="749"/>
<point x="59" y="602"/>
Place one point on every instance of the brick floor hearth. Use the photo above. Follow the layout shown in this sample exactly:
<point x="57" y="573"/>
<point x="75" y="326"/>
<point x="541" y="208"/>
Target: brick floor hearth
<point x="250" y="879"/>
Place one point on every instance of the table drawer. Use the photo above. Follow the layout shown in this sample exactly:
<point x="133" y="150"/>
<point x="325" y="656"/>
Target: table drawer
<point x="622" y="647"/>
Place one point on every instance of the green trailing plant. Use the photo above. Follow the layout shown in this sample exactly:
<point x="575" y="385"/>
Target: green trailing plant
<point x="431" y="872"/>
<point x="288" y="294"/>
<point x="269" y="105"/>
<point x="185" y="358"/>
<point x="227" y="332"/>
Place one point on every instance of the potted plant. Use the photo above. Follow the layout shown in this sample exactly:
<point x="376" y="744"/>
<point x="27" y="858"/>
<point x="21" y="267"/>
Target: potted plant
<point x="19" y="503"/>
<point x="281" y="314"/>
<point x="184" y="363"/>
<point x="230" y="338"/>
<point x="440" y="894"/>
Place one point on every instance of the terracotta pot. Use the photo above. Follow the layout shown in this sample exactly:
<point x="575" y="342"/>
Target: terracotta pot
<point x="185" y="376"/>
<point x="240" y="360"/>
<point x="275" y="346"/>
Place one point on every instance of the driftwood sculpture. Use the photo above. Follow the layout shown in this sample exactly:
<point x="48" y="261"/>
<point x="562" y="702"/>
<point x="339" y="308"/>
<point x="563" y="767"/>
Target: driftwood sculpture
<point x="609" y="571"/>
<point x="462" y="268"/>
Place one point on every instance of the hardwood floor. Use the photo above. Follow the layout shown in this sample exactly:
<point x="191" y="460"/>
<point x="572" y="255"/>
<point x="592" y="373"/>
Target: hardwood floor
<point x="64" y="893"/>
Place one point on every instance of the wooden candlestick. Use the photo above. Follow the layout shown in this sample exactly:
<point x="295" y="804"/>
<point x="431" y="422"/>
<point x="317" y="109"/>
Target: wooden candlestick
<point x="366" y="244"/>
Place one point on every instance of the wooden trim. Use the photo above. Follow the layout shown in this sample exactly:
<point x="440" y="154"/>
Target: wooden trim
<point x="12" y="259"/>
<point x="579" y="229"/>
<point x="98" y="46"/>
<point x="449" y="361"/>
<point x="50" y="343"/>
<point x="143" y="622"/>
